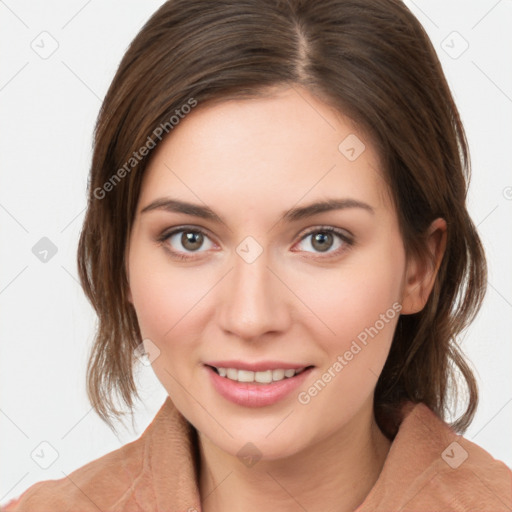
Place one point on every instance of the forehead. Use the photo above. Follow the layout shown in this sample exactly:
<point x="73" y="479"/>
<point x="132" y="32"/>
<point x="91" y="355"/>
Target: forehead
<point x="277" y="150"/>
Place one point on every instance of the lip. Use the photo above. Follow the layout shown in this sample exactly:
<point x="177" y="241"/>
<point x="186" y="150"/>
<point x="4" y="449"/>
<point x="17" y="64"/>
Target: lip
<point x="255" y="395"/>
<point x="256" y="366"/>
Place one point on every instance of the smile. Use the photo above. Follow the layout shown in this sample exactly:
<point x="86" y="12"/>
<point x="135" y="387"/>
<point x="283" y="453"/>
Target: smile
<point x="256" y="384"/>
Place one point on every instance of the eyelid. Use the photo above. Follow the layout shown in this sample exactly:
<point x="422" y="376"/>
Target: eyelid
<point x="344" y="233"/>
<point x="186" y="227"/>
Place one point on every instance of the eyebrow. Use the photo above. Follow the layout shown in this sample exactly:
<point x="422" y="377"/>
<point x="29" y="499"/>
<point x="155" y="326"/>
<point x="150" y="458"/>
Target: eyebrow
<point x="294" y="214"/>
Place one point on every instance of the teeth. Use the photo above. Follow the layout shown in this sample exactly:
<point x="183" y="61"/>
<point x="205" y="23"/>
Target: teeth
<point x="245" y="376"/>
<point x="264" y="377"/>
<point x="277" y="374"/>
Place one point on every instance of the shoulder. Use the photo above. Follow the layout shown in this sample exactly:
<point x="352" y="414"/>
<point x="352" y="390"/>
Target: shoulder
<point x="469" y="475"/>
<point x="155" y="472"/>
<point x="433" y="468"/>
<point x="103" y="484"/>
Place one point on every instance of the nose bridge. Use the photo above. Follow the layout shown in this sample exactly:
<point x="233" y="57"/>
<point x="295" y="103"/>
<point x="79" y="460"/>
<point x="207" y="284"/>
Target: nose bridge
<point x="251" y="302"/>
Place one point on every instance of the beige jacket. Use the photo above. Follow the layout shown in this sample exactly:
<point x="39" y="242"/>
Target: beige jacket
<point x="428" y="469"/>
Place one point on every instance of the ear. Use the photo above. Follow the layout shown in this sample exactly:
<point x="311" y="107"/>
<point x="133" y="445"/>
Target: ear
<point x="421" y="271"/>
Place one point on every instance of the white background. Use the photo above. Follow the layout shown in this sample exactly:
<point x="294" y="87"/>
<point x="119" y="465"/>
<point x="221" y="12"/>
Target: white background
<point x="48" y="110"/>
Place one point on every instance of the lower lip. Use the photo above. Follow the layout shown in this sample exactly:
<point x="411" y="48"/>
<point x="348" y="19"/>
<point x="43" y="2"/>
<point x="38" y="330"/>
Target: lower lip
<point x="255" y="395"/>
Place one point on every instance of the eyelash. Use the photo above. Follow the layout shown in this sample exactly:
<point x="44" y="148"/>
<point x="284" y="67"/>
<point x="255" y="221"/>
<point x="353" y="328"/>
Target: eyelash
<point x="348" y="241"/>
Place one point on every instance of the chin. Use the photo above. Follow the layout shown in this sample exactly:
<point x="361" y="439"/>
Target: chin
<point x="264" y="440"/>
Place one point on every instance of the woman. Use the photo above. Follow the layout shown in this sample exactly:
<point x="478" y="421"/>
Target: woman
<point x="277" y="219"/>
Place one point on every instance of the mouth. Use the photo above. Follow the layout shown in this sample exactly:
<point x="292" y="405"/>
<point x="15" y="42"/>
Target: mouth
<point x="256" y="384"/>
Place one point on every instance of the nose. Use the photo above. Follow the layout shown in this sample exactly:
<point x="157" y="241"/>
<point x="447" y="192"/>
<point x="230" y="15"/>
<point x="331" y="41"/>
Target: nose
<point x="252" y="301"/>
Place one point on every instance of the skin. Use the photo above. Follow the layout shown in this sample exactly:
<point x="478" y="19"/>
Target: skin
<point x="250" y="161"/>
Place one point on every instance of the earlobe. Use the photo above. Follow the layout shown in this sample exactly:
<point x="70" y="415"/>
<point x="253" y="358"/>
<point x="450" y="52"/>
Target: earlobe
<point x="422" y="270"/>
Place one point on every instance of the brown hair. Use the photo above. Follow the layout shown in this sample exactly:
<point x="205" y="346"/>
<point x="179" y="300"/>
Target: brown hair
<point x="369" y="59"/>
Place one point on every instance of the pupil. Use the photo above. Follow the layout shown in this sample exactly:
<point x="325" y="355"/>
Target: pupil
<point x="324" y="240"/>
<point x="191" y="240"/>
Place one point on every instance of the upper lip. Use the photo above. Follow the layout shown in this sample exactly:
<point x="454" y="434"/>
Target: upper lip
<point x="256" y="366"/>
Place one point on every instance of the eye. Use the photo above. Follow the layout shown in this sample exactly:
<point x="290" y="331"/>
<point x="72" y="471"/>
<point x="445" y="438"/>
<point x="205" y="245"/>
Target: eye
<point x="183" y="240"/>
<point x="325" y="239"/>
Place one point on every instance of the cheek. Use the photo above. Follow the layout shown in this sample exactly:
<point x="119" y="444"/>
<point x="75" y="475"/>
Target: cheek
<point x="170" y="305"/>
<point x="173" y="305"/>
<point x="358" y="304"/>
<point x="346" y="297"/>
<point x="164" y="307"/>
<point x="161" y="293"/>
<point x="155" y="302"/>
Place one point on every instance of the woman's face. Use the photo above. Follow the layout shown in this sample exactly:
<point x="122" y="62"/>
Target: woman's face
<point x="231" y="266"/>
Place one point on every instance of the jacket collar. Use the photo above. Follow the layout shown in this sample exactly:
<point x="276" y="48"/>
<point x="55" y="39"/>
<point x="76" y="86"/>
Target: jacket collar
<point x="428" y="467"/>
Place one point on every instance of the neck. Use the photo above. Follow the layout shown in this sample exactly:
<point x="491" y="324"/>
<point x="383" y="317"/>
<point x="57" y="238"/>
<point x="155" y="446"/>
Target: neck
<point x="336" y="473"/>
